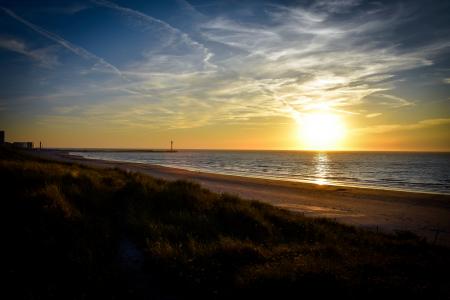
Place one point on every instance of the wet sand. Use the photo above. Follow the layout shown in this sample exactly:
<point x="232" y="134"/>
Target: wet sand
<point x="427" y="215"/>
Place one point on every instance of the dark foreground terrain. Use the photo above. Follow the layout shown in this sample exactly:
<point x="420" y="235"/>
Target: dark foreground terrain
<point x="73" y="232"/>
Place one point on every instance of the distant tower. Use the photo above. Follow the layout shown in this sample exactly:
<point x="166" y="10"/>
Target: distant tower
<point x="40" y="145"/>
<point x="2" y="137"/>
<point x="171" y="146"/>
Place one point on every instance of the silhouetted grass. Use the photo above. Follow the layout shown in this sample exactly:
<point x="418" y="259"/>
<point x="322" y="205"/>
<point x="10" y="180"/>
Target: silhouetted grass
<point x="74" y="232"/>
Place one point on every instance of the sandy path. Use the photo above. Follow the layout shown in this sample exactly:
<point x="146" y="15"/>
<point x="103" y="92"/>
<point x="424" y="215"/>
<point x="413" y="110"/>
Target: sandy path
<point x="386" y="210"/>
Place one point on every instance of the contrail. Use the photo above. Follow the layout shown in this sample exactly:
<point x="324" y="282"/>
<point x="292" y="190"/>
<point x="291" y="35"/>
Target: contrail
<point x="188" y="6"/>
<point x="149" y="19"/>
<point x="66" y="44"/>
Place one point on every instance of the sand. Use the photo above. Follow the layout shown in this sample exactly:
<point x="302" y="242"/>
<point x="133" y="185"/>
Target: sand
<point x="425" y="214"/>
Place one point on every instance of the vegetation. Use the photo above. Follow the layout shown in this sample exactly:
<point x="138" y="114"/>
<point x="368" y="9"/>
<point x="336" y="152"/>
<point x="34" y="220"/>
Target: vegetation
<point x="74" y="232"/>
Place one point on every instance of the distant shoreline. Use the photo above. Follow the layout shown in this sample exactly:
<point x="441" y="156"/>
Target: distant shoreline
<point x="117" y="150"/>
<point x="389" y="210"/>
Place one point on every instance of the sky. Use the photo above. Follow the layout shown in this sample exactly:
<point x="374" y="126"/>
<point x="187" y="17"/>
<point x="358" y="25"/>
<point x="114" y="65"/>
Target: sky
<point x="226" y="74"/>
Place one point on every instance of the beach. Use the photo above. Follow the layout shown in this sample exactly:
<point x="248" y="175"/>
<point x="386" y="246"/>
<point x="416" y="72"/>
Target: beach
<point x="425" y="214"/>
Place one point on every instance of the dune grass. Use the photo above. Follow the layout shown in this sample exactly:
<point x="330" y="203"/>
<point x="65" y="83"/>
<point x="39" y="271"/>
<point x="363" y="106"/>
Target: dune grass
<point x="74" y="232"/>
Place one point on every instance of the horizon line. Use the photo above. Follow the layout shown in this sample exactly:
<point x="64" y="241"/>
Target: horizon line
<point x="237" y="149"/>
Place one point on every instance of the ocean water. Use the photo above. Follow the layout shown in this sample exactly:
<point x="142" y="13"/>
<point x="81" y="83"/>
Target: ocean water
<point x="425" y="172"/>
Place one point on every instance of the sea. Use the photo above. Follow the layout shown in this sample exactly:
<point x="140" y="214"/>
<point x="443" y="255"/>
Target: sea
<point x="407" y="171"/>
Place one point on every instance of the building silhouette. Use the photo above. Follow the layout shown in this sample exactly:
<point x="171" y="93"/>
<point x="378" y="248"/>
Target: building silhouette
<point x="23" y="145"/>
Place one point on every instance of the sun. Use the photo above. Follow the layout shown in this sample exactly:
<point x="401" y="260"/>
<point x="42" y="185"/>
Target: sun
<point x="321" y="131"/>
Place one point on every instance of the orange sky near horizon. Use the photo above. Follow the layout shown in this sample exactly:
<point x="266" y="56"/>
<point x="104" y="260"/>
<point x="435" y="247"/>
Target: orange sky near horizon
<point x="278" y="134"/>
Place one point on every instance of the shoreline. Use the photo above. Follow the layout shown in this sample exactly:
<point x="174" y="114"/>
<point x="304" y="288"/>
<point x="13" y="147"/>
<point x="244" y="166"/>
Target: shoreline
<point x="328" y="183"/>
<point x="331" y="185"/>
<point x="426" y="214"/>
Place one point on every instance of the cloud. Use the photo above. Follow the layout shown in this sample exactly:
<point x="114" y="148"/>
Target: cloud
<point x="232" y="70"/>
<point x="185" y="38"/>
<point x="100" y="63"/>
<point x="394" y="101"/>
<point x="336" y="6"/>
<point x="190" y="9"/>
<point x="401" y="127"/>
<point x="298" y="60"/>
<point x="337" y="63"/>
<point x="44" y="57"/>
<point x="70" y="9"/>
<point x="374" y="115"/>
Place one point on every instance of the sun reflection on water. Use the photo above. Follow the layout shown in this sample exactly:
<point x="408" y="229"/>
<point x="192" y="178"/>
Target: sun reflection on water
<point x="321" y="168"/>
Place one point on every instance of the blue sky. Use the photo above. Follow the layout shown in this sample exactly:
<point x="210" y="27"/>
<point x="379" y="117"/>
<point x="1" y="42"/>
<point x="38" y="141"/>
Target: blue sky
<point x="180" y="68"/>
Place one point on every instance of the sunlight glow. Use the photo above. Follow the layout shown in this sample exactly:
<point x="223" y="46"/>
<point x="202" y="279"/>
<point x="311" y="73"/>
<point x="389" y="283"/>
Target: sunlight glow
<point x="321" y="131"/>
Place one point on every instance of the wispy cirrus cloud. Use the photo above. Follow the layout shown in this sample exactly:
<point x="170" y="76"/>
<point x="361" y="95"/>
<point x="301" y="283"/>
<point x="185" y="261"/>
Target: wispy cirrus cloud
<point x="373" y="115"/>
<point x="189" y="8"/>
<point x="298" y="59"/>
<point x="285" y="63"/>
<point x="336" y="6"/>
<point x="177" y="36"/>
<point x="400" y="127"/>
<point x="323" y="61"/>
<point x="45" y="57"/>
<point x="394" y="101"/>
<point x="65" y="8"/>
<point x="100" y="63"/>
